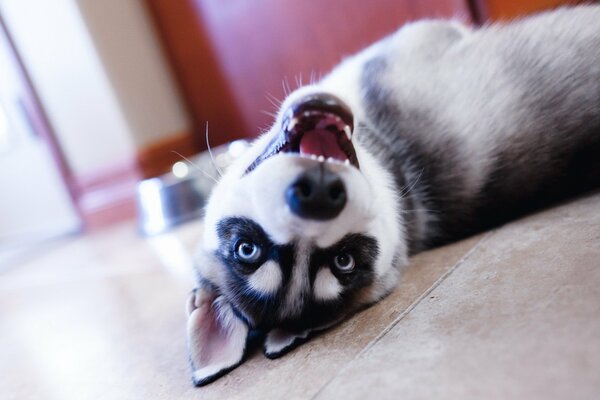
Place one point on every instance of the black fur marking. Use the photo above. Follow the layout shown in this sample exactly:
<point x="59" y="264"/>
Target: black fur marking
<point x="230" y="230"/>
<point x="261" y="311"/>
<point x="253" y="306"/>
<point x="395" y="135"/>
<point x="364" y="250"/>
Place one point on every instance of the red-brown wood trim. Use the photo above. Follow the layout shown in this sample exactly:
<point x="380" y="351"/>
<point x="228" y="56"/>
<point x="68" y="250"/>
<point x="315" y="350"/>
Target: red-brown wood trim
<point x="479" y="11"/>
<point x="494" y="10"/>
<point x="205" y="90"/>
<point x="107" y="196"/>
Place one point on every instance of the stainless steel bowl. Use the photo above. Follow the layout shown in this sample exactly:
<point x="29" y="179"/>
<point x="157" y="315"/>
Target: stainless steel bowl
<point x="179" y="196"/>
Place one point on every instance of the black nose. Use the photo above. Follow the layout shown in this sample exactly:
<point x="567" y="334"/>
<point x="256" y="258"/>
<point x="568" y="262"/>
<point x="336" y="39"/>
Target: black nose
<point x="317" y="194"/>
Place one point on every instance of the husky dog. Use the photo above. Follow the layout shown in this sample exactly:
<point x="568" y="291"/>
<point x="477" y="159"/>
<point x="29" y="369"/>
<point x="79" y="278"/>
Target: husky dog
<point x="430" y="135"/>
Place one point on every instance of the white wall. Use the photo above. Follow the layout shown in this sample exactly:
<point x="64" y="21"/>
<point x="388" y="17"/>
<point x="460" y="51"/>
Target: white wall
<point x="70" y="80"/>
<point x="34" y="203"/>
<point x="100" y="75"/>
<point x="135" y="64"/>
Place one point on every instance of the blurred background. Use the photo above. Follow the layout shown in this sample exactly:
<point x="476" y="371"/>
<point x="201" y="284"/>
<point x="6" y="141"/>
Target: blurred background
<point x="101" y="102"/>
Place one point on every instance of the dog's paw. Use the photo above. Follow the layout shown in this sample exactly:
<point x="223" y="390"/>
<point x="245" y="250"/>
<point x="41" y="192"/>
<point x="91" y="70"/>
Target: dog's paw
<point x="278" y="342"/>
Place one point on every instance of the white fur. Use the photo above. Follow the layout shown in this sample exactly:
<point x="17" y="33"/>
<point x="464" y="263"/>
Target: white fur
<point x="278" y="340"/>
<point x="326" y="286"/>
<point x="299" y="284"/>
<point x="266" y="279"/>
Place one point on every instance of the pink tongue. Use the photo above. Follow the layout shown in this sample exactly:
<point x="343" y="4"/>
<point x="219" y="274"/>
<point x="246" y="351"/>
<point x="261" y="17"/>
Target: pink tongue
<point x="321" y="143"/>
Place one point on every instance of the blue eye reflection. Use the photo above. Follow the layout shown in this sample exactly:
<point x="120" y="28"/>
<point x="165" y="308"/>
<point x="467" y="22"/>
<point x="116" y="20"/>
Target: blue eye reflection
<point x="247" y="251"/>
<point x="344" y="262"/>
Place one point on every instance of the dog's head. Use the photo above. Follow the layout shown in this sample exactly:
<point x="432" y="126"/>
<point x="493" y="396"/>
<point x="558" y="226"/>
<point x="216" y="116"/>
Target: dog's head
<point x="299" y="233"/>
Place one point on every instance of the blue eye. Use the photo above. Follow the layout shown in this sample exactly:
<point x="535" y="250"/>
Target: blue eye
<point x="344" y="262"/>
<point x="247" y="251"/>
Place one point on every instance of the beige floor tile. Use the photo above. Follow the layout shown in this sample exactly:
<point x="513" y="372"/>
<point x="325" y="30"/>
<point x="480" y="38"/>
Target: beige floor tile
<point x="111" y="325"/>
<point x="519" y="319"/>
<point x="118" y="337"/>
<point x="116" y="251"/>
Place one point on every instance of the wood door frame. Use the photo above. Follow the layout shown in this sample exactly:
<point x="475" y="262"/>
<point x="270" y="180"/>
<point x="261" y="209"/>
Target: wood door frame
<point x="191" y="57"/>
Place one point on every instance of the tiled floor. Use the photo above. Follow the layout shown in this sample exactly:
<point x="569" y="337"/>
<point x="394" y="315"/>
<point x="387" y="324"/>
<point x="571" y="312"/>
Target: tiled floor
<point x="513" y="313"/>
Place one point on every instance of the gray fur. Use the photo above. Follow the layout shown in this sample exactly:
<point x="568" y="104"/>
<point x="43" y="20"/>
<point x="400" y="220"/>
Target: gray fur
<point x="531" y="135"/>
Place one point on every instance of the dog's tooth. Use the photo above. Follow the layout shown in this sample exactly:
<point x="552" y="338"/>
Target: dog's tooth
<point x="347" y="162"/>
<point x="348" y="132"/>
<point x="313" y="157"/>
<point x="292" y="123"/>
<point x="321" y="159"/>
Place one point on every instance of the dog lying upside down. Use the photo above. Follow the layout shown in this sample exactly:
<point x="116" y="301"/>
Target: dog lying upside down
<point x="430" y="135"/>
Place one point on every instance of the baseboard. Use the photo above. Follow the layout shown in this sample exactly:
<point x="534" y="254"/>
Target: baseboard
<point x="108" y="196"/>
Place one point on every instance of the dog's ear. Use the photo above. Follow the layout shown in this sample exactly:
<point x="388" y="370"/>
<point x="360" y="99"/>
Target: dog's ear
<point x="216" y="336"/>
<point x="278" y="342"/>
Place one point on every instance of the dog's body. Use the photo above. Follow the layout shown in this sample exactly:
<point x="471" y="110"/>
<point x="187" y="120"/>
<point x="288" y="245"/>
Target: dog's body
<point x="454" y="131"/>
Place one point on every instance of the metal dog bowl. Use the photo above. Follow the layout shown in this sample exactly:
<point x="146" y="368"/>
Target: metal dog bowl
<point x="180" y="195"/>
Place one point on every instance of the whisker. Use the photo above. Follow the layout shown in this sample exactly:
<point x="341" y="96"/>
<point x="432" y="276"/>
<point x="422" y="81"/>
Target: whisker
<point x="210" y="152"/>
<point x="269" y="113"/>
<point x="274" y="100"/>
<point x="286" y="87"/>
<point x="195" y="166"/>
<point x="420" y="209"/>
<point x="406" y="191"/>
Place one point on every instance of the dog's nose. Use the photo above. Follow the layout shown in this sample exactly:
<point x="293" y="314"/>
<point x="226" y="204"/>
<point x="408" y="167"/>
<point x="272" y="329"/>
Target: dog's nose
<point x="317" y="194"/>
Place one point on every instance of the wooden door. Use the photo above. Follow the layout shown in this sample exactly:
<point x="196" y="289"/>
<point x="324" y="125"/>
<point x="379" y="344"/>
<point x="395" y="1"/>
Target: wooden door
<point x="495" y="10"/>
<point x="231" y="55"/>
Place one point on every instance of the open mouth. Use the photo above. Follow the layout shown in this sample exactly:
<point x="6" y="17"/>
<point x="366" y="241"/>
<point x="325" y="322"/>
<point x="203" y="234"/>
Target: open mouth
<point x="318" y="126"/>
